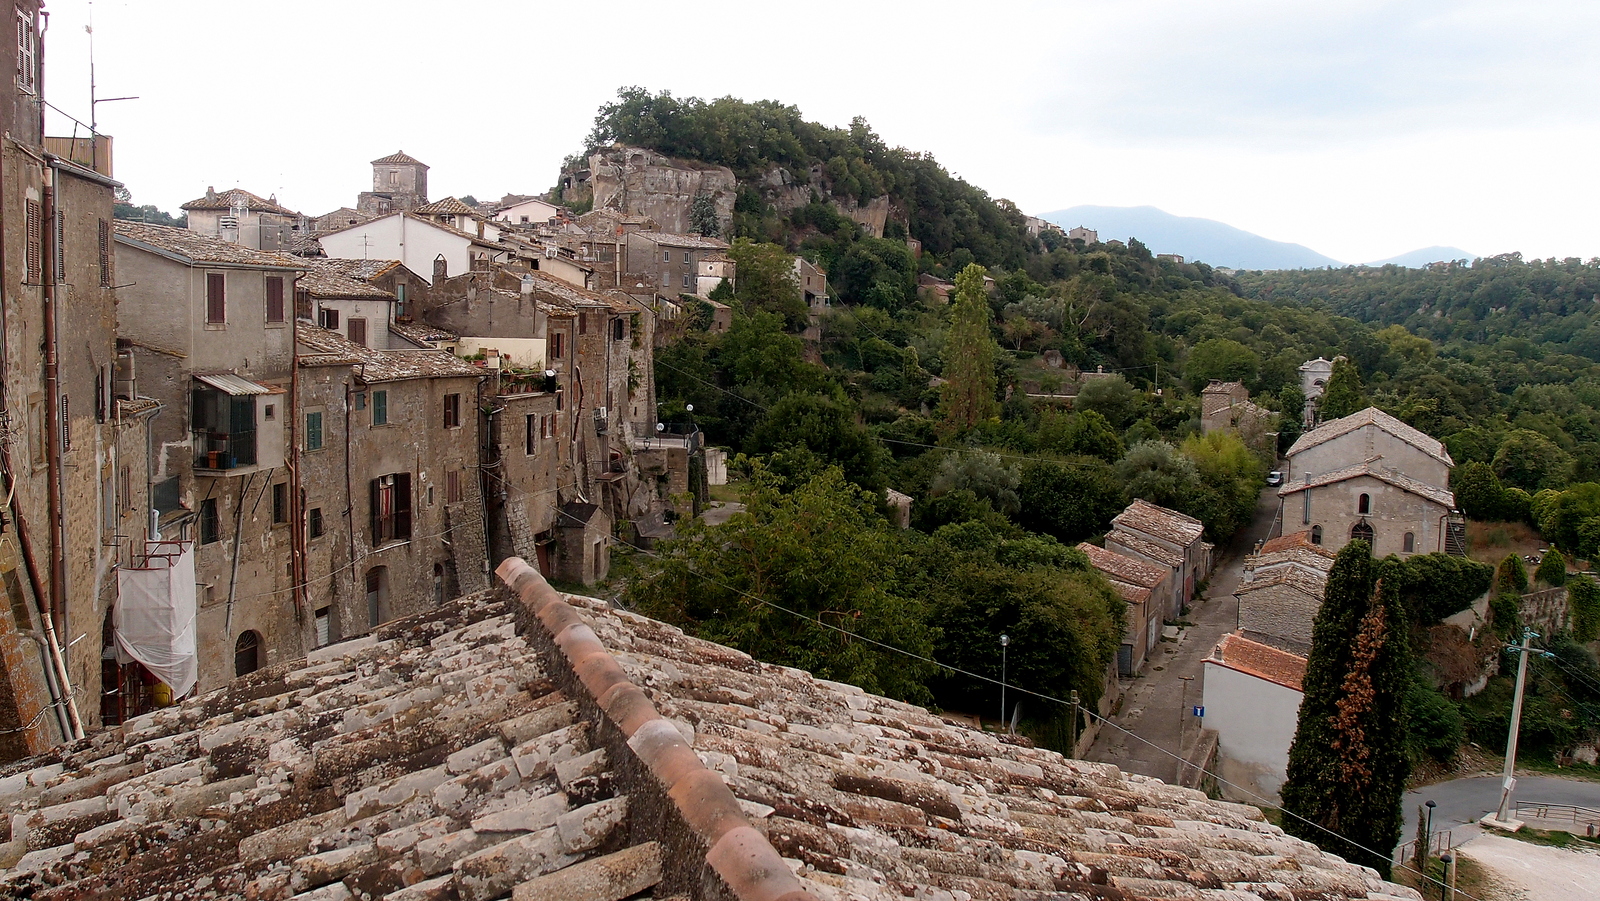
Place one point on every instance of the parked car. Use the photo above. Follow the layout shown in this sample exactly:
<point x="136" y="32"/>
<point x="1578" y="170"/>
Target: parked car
<point x="1275" y="478"/>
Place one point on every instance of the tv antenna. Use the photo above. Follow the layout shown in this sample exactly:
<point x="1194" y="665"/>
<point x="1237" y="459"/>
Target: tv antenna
<point x="94" y="101"/>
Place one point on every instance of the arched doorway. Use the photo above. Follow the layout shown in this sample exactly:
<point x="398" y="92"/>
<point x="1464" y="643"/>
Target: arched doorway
<point x="1361" y="531"/>
<point x="247" y="653"/>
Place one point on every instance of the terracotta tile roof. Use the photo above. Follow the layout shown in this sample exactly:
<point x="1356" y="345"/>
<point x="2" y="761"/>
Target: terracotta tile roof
<point x="529" y="745"/>
<point x="365" y="270"/>
<point x="450" y="206"/>
<point x="399" y="157"/>
<point x="430" y="223"/>
<point x="1124" y="568"/>
<point x="197" y="248"/>
<point x="223" y="200"/>
<point x="1301" y="539"/>
<point x="668" y="239"/>
<point x="324" y="280"/>
<point x="1159" y="522"/>
<point x="1372" y="416"/>
<point x="1133" y="594"/>
<point x="318" y="346"/>
<point x="1144" y="547"/>
<point x="1309" y="584"/>
<point x="1263" y="661"/>
<point x="420" y="333"/>
<point x="1440" y="496"/>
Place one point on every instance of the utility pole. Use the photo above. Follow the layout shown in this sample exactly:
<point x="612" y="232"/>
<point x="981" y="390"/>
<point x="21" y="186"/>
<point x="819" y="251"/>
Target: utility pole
<point x="1072" y="749"/>
<point x="1004" y="640"/>
<point x="1508" y="781"/>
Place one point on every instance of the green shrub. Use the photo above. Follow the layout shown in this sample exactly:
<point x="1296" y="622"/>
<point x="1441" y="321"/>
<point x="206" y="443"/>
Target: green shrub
<point x="1552" y="569"/>
<point x="1511" y="577"/>
<point x="1436" y="725"/>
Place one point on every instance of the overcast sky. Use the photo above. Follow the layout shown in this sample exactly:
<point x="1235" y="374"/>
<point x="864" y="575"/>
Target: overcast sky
<point x="1359" y="129"/>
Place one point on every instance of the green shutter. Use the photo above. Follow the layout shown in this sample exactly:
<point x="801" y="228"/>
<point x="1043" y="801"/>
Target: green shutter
<point x="380" y="407"/>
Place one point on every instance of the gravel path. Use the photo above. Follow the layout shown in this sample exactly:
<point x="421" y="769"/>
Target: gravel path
<point x="1537" y="872"/>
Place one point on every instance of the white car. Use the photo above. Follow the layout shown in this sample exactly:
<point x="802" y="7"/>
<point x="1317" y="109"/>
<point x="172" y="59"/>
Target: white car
<point x="1275" y="478"/>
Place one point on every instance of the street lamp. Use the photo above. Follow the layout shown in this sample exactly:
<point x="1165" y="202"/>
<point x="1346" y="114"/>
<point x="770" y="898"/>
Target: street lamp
<point x="1004" y="640"/>
<point x="1427" y="835"/>
<point x="1447" y="886"/>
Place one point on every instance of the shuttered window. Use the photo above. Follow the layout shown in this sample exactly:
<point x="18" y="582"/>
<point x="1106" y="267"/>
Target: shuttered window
<point x="216" y="298"/>
<point x="35" y="243"/>
<point x="391" y="508"/>
<point x="105" y="254"/>
<point x="356" y="330"/>
<point x="275" y="310"/>
<point x="27" y="52"/>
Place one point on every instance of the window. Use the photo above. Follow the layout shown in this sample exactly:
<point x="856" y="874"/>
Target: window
<point x="314" y="522"/>
<point x="619" y="328"/>
<point x="531" y="436"/>
<point x="216" y="298"/>
<point x="27" y="52"/>
<point x="330" y="320"/>
<point x="666" y="256"/>
<point x="1364" y="504"/>
<point x="666" y="279"/>
<point x="452" y="487"/>
<point x="380" y="408"/>
<point x="210" y="524"/>
<point x="394" y="178"/>
<point x="105" y="254"/>
<point x="224" y="428"/>
<point x="391" y="508"/>
<point x="314" y="431"/>
<point x="269" y="412"/>
<point x="35" y="242"/>
<point x="452" y="411"/>
<point x="400" y="311"/>
<point x="583" y="323"/>
<point x="558" y="345"/>
<point x="324" y="626"/>
<point x="274" y="298"/>
<point x="361" y="400"/>
<point x="280" y="502"/>
<point x="686" y="279"/>
<point x="1361" y="531"/>
<point x="247" y="654"/>
<point x="356" y="330"/>
<point x="1316" y="534"/>
<point x="1408" y="543"/>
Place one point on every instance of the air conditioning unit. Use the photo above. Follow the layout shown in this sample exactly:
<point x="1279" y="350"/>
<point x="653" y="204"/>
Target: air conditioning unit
<point x="601" y="424"/>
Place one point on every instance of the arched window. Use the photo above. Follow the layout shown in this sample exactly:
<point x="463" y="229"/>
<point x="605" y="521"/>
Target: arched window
<point x="1408" y="544"/>
<point x="1364" y="504"/>
<point x="1316" y="534"/>
<point x="247" y="653"/>
<point x="1361" y="531"/>
<point x="441" y="269"/>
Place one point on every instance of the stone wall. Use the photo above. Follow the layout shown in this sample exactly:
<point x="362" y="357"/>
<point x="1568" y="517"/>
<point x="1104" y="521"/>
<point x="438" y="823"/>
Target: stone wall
<point x="641" y="182"/>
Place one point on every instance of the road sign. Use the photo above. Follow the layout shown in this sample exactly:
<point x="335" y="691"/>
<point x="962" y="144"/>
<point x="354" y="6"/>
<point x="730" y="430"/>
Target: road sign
<point x="1200" y="711"/>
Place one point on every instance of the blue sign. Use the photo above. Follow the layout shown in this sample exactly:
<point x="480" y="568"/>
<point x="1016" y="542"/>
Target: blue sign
<point x="1200" y="711"/>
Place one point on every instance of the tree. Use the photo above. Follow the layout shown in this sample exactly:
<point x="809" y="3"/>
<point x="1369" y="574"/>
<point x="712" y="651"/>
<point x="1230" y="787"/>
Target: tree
<point x="1511" y="577"/>
<point x="1583" y="598"/>
<point x="1111" y="396"/>
<point x="1552" y="569"/>
<point x="982" y="473"/>
<point x="826" y="426"/>
<point x="1223" y="359"/>
<point x="821" y="551"/>
<point x="1072" y="499"/>
<point x="1478" y="491"/>
<point x="1231" y="479"/>
<point x="765" y="280"/>
<point x="1530" y="461"/>
<point x="1159" y="473"/>
<point x="969" y="388"/>
<point x="1344" y="394"/>
<point x="703" y="216"/>
<point x="1348" y="763"/>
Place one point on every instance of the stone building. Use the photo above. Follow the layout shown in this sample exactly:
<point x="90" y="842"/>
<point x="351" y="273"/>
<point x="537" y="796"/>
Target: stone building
<point x="361" y="311"/>
<point x="1168" y="538"/>
<point x="1369" y="475"/>
<point x="574" y="379"/>
<point x="670" y="262"/>
<point x="1226" y="407"/>
<point x="1143" y="585"/>
<point x="399" y="183"/>
<point x="259" y="223"/>
<point x="1282" y="590"/>
<point x="388" y="470"/>
<point x="211" y="328"/>
<point x="428" y="247"/>
<point x="74" y="455"/>
<point x="1314" y="375"/>
<point x="639" y="182"/>
<point x="392" y="276"/>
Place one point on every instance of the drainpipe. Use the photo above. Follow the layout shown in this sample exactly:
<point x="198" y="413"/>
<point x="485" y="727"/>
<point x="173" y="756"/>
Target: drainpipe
<point x="298" y="539"/>
<point x="56" y="615"/>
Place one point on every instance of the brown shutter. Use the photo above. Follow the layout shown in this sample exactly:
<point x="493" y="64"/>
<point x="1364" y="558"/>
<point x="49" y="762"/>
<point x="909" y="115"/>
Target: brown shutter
<point x="375" y="496"/>
<point x="35" y="243"/>
<point x="216" y="297"/>
<point x="105" y="254"/>
<point x="274" y="298"/>
<point x="357" y="331"/>
<point x="402" y="505"/>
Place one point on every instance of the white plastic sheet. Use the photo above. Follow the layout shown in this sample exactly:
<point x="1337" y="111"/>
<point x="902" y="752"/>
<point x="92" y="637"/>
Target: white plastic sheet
<point x="154" y="616"/>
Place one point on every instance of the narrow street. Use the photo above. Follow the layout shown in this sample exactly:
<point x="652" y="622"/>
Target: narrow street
<point x="1158" y="703"/>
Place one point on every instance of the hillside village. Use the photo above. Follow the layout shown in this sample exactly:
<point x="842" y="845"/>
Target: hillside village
<point x="289" y="491"/>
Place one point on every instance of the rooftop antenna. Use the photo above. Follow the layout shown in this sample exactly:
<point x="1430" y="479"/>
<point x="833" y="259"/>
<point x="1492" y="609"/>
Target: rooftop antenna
<point x="94" y="131"/>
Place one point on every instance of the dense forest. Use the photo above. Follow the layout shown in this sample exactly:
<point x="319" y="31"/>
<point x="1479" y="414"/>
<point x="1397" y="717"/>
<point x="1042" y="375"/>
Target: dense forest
<point x="959" y="403"/>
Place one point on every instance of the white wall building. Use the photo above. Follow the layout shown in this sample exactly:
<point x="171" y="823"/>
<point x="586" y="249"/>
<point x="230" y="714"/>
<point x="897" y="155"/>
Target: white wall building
<point x="428" y="248"/>
<point x="1251" y="694"/>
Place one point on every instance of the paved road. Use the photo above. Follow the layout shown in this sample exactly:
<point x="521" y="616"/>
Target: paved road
<point x="1462" y="801"/>
<point x="1157" y="701"/>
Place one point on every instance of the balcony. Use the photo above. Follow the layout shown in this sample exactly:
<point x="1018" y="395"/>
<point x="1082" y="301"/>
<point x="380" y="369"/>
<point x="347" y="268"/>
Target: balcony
<point x="223" y="451"/>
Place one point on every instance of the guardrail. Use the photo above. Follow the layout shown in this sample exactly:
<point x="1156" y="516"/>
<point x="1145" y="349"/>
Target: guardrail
<point x="1562" y="813"/>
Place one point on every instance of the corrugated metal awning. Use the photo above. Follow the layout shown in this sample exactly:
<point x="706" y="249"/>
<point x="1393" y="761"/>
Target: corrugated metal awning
<point x="236" y="385"/>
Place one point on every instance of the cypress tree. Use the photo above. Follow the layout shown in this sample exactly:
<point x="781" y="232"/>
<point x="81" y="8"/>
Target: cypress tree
<point x="1344" y="394"/>
<point x="969" y="356"/>
<point x="1552" y="569"/>
<point x="1348" y="764"/>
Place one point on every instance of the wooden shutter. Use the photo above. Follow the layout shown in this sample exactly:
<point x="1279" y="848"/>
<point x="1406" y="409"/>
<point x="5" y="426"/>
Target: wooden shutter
<point x="216" y="298"/>
<point x="274" y="298"/>
<point x="35" y="243"/>
<point x="27" y="53"/>
<point x="105" y="254"/>
<point x="61" y="247"/>
<point x="375" y="496"/>
<point x="402" y="505"/>
<point x="356" y="329"/>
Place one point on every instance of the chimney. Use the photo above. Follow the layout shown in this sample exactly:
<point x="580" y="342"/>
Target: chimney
<point x="211" y="192"/>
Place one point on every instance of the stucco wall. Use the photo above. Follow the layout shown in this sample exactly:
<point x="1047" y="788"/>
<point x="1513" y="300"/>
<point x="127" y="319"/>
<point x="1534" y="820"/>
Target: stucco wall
<point x="1254" y="720"/>
<point x="398" y="238"/>
<point x="1394" y="512"/>
<point x="1365" y="444"/>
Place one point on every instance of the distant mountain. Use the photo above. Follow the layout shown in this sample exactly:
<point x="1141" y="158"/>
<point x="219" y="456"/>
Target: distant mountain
<point x="1206" y="240"/>
<point x="1417" y="259"/>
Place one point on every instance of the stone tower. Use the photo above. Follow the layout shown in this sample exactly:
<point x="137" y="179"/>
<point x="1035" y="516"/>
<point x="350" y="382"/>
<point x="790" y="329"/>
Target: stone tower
<point x="399" y="182"/>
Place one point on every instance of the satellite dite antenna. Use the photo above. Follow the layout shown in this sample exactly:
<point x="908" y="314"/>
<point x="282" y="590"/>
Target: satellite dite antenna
<point x="93" y="100"/>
